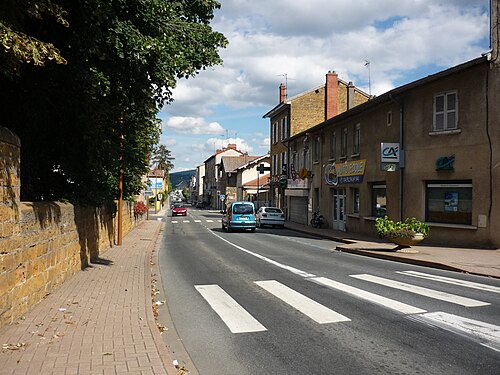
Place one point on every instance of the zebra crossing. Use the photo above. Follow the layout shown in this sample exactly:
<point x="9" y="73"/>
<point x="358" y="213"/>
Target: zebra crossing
<point x="238" y="320"/>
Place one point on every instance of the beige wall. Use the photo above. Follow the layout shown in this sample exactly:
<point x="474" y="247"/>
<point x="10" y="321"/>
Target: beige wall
<point x="43" y="244"/>
<point x="476" y="141"/>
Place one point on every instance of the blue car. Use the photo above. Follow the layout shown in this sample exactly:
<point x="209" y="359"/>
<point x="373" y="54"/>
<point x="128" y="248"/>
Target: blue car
<point x="239" y="215"/>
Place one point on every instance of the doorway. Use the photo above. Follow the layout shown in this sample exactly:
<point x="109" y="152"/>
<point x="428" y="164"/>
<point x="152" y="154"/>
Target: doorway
<point x="338" y="209"/>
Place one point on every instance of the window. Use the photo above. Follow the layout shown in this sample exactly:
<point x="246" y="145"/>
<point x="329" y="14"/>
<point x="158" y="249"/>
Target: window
<point x="333" y="145"/>
<point x="343" y="145"/>
<point x="449" y="202"/>
<point x="355" y="200"/>
<point x="284" y="169"/>
<point x="445" y="111"/>
<point x="356" y="139"/>
<point x="284" y="128"/>
<point x="317" y="147"/>
<point x="274" y="134"/>
<point x="379" y="200"/>
<point x="389" y="118"/>
<point x="275" y="164"/>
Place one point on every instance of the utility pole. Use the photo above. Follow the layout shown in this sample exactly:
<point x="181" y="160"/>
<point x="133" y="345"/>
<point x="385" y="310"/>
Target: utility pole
<point x="120" y="187"/>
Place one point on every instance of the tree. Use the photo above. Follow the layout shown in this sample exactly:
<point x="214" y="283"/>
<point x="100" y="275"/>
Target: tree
<point x="123" y="60"/>
<point x="162" y="158"/>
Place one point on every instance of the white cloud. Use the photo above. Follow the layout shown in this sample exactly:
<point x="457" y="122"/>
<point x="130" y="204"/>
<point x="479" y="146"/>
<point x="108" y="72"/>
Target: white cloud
<point x="169" y="142"/>
<point x="193" y="125"/>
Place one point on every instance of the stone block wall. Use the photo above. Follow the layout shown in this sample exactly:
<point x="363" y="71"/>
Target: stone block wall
<point x="42" y="244"/>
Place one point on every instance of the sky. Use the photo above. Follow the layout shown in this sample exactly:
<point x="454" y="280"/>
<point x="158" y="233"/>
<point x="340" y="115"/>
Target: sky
<point x="297" y="43"/>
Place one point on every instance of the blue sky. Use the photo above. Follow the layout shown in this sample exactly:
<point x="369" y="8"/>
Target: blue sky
<point x="404" y="40"/>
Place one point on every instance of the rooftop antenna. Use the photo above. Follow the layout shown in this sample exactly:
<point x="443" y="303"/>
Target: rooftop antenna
<point x="367" y="64"/>
<point x="286" y="83"/>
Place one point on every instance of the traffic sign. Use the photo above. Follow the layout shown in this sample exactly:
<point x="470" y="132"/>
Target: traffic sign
<point x="261" y="168"/>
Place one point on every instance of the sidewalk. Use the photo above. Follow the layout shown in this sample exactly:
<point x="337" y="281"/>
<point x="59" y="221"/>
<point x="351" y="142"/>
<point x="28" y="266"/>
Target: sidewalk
<point x="484" y="262"/>
<point x="98" y="322"/>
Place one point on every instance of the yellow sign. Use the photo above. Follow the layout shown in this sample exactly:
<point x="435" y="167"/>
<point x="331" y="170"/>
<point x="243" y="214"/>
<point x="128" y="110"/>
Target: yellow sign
<point x="351" y="172"/>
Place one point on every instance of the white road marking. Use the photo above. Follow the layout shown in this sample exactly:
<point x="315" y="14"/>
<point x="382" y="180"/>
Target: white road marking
<point x="237" y="319"/>
<point x="314" y="310"/>
<point x="197" y="221"/>
<point x="174" y="221"/>
<point x="185" y="221"/>
<point x="210" y="221"/>
<point x="449" y="280"/>
<point x="280" y="265"/>
<point x="486" y="334"/>
<point x="371" y="297"/>
<point x="452" y="298"/>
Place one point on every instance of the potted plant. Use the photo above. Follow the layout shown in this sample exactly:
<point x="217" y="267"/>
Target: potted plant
<point x="140" y="209"/>
<point x="403" y="233"/>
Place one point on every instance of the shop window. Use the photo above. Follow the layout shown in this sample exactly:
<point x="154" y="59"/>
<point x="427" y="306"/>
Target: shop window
<point x="379" y="200"/>
<point x="445" y="111"/>
<point x="449" y="202"/>
<point x="355" y="200"/>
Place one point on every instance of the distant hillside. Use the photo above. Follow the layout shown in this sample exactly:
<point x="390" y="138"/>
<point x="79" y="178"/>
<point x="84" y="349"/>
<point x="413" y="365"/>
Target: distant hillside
<point x="180" y="180"/>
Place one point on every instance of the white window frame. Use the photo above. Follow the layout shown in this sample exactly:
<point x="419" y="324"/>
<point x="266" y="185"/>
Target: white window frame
<point x="446" y="112"/>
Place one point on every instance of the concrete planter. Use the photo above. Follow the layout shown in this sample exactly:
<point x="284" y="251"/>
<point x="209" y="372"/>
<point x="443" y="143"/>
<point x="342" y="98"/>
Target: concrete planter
<point x="407" y="241"/>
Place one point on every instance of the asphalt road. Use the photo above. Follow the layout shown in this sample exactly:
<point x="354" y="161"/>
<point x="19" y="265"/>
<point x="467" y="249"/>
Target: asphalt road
<point x="281" y="302"/>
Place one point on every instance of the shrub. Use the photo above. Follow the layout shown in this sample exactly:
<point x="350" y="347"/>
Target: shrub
<point x="387" y="228"/>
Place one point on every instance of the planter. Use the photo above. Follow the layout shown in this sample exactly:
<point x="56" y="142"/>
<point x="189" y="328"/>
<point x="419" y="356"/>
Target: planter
<point x="407" y="241"/>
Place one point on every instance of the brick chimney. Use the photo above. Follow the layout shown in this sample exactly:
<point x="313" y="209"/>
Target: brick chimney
<point x="282" y="93"/>
<point x="331" y="95"/>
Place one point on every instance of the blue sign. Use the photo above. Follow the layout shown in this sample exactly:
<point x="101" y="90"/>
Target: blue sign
<point x="389" y="152"/>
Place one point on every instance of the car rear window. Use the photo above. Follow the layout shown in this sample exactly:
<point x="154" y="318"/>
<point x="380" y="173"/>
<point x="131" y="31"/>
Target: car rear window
<point x="178" y="205"/>
<point x="243" y="209"/>
<point x="274" y="210"/>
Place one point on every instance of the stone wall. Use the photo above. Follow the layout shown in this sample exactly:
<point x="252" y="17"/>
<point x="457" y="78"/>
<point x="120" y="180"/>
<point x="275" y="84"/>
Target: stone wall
<point x="42" y="244"/>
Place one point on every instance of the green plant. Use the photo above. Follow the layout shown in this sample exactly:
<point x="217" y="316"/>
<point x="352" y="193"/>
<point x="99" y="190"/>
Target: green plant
<point x="387" y="228"/>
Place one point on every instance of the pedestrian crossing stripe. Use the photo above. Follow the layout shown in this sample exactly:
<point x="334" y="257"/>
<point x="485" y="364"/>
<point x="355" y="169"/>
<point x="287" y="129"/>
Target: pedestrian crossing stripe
<point x="368" y="296"/>
<point x="447" y="297"/>
<point x="314" y="310"/>
<point x="449" y="280"/>
<point x="236" y="318"/>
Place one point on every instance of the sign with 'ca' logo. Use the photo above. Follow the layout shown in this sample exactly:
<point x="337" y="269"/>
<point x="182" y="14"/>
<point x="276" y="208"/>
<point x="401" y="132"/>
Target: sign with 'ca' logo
<point x="389" y="152"/>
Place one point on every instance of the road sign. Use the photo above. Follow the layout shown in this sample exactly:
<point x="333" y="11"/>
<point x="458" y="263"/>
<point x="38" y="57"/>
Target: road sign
<point x="148" y="193"/>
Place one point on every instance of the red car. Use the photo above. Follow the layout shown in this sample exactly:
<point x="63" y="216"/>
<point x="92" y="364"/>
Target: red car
<point x="179" y="209"/>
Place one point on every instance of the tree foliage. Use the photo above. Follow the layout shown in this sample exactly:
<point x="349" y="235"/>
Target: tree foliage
<point x="83" y="120"/>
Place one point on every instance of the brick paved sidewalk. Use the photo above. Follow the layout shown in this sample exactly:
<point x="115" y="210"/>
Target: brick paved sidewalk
<point x="98" y="322"/>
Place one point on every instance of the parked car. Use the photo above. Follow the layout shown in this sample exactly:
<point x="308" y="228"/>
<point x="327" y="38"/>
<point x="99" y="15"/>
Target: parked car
<point x="270" y="216"/>
<point x="239" y="215"/>
<point x="179" y="209"/>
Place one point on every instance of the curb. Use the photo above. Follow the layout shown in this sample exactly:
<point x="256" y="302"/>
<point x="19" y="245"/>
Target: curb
<point x="165" y="355"/>
<point x="417" y="262"/>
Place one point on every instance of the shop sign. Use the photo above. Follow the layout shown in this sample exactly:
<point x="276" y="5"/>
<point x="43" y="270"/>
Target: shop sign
<point x="445" y="163"/>
<point x="297" y="184"/>
<point x="389" y="152"/>
<point x="351" y="172"/>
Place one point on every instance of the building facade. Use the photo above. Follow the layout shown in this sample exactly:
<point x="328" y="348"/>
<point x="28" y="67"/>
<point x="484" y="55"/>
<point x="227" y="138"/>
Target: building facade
<point x="299" y="113"/>
<point x="429" y="150"/>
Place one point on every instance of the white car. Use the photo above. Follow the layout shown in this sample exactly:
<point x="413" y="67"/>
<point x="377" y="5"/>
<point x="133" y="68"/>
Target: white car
<point x="270" y="216"/>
